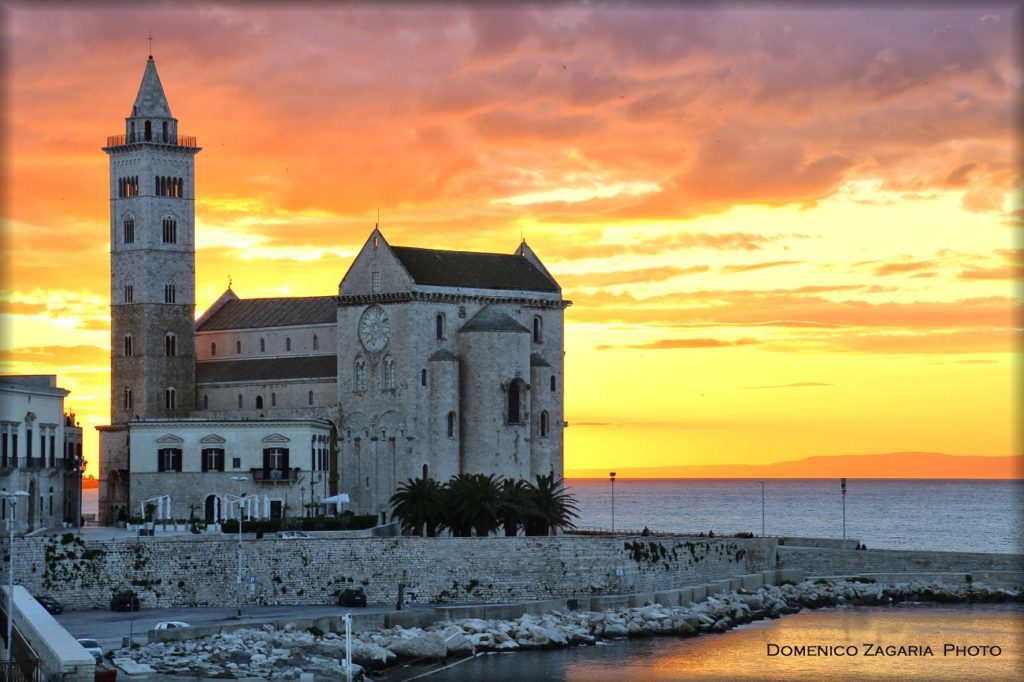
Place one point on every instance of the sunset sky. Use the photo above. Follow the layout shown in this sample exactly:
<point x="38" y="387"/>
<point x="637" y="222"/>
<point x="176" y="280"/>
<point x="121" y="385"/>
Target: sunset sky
<point x="786" y="231"/>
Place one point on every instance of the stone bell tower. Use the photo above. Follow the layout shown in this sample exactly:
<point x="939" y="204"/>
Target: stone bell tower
<point x="152" y="261"/>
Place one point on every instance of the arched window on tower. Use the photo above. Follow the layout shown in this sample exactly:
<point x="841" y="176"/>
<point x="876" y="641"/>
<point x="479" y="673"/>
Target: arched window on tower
<point x="129" y="230"/>
<point x="169" y="292"/>
<point x="287" y="343"/>
<point x="165" y="131"/>
<point x="423" y="377"/>
<point x="316" y="342"/>
<point x="239" y="401"/>
<point x="311" y="397"/>
<point x="127" y="397"/>
<point x="170" y="231"/>
<point x="170" y="398"/>
<point x="553" y="382"/>
<point x="263" y="345"/>
<point x="128" y="345"/>
<point x="514" y="393"/>
<point x="544" y="424"/>
<point x="359" y="375"/>
<point x="439" y="326"/>
<point x="259" y="402"/>
<point x="129" y="293"/>
<point x="170" y="344"/>
<point x="149" y="131"/>
<point x="451" y="425"/>
<point x="388" y="373"/>
<point x="537" y="329"/>
<point x="206" y="402"/>
<point x="238" y="347"/>
<point x="213" y="350"/>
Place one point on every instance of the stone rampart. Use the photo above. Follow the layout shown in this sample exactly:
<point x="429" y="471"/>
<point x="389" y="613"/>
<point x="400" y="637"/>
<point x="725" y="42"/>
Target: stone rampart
<point x="201" y="570"/>
<point x="820" y="561"/>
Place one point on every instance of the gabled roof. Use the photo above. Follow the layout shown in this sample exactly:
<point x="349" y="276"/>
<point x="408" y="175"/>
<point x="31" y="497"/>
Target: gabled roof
<point x="151" y="100"/>
<point x="254" y="313"/>
<point x="301" y="367"/>
<point x="491" y="319"/>
<point x="473" y="270"/>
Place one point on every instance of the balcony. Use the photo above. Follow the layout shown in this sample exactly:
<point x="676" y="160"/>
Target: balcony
<point x="274" y="476"/>
<point x="138" y="138"/>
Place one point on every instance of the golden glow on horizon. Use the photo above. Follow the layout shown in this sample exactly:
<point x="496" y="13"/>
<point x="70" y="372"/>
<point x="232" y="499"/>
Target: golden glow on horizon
<point x="790" y="248"/>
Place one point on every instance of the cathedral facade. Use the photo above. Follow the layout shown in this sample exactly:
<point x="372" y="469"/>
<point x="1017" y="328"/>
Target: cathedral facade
<point x="426" y="363"/>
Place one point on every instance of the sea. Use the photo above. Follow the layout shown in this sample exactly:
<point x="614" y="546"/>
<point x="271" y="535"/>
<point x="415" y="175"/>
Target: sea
<point x="923" y="514"/>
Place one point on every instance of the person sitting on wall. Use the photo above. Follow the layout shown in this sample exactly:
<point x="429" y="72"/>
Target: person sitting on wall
<point x="711" y="533"/>
<point x="646" y="531"/>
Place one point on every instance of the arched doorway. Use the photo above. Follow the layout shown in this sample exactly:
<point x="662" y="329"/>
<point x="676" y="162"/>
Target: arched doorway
<point x="212" y="509"/>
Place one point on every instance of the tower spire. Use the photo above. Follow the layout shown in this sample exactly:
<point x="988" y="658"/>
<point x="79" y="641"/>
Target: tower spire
<point x="151" y="44"/>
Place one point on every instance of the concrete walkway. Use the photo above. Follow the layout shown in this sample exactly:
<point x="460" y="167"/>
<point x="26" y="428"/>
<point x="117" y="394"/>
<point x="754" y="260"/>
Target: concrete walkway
<point x="109" y="627"/>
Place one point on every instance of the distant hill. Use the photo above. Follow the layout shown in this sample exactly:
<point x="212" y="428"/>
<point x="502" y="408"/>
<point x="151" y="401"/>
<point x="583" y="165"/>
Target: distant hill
<point x="888" y="465"/>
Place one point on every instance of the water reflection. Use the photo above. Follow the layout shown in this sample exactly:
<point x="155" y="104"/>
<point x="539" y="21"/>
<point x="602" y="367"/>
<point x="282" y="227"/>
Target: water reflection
<point x="743" y="653"/>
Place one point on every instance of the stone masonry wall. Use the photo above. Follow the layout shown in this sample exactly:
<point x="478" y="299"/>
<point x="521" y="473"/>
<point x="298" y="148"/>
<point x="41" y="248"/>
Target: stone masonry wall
<point x="201" y="570"/>
<point x="819" y="561"/>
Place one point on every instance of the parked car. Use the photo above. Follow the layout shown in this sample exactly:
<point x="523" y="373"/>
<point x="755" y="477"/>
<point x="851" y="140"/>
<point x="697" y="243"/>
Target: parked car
<point x="171" y="625"/>
<point x="93" y="647"/>
<point x="50" y="604"/>
<point x="292" y="535"/>
<point x="352" y="597"/>
<point x="124" y="601"/>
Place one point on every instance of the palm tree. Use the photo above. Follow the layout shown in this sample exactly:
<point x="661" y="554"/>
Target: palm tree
<point x="550" y="506"/>
<point x="472" y="504"/>
<point x="513" y="505"/>
<point x="418" y="504"/>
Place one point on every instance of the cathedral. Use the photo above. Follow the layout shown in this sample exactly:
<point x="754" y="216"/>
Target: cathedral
<point x="426" y="363"/>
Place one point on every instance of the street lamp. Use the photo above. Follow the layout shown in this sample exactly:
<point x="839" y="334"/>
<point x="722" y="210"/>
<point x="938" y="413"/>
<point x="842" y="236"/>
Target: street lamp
<point x="843" y="487"/>
<point x="611" y="477"/>
<point x="12" y="499"/>
<point x="239" y="501"/>
<point x="762" y="507"/>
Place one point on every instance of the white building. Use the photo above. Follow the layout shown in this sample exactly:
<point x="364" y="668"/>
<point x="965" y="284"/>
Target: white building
<point x="40" y="453"/>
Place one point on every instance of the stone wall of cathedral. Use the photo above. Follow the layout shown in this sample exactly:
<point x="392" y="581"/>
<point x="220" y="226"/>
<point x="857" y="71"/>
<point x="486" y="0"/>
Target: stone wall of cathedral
<point x="266" y="342"/>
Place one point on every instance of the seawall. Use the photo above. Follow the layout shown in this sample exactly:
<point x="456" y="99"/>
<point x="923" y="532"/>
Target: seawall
<point x="827" y="561"/>
<point x="201" y="570"/>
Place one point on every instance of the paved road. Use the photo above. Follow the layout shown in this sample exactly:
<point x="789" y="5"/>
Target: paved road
<point x="108" y="627"/>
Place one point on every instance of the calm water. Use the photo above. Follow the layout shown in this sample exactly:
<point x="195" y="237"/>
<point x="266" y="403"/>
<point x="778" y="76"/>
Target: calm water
<point x="742" y="654"/>
<point x="951" y="515"/>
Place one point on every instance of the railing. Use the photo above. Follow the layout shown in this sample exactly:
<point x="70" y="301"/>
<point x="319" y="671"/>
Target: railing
<point x="173" y="140"/>
<point x="275" y="475"/>
<point x="20" y="671"/>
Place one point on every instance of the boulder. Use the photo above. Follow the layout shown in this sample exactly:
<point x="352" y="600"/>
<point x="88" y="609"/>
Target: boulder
<point x="428" y="645"/>
<point x="458" y="644"/>
<point x="369" y="655"/>
<point x="612" y="630"/>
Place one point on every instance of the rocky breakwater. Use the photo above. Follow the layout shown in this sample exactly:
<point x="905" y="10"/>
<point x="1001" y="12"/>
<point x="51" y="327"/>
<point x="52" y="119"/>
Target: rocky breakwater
<point x="272" y="653"/>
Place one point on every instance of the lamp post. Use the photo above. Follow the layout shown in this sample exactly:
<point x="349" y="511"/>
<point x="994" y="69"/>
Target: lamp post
<point x="611" y="477"/>
<point x="239" y="501"/>
<point x="12" y="499"/>
<point x="843" y="487"/>
<point x="762" y="507"/>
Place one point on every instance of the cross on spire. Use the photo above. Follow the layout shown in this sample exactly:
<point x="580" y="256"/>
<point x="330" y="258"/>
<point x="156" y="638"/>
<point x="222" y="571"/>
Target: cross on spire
<point x="151" y="44"/>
